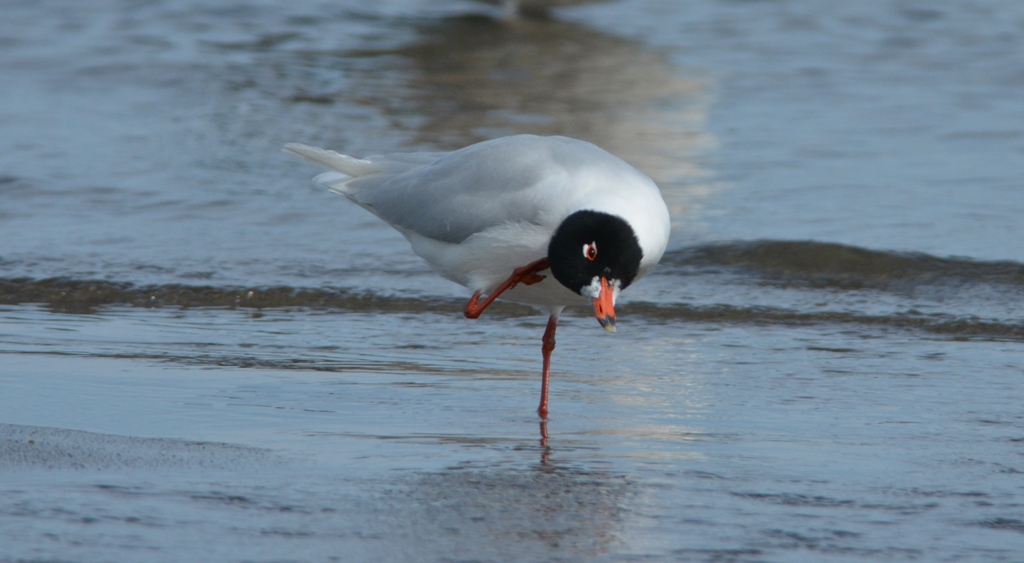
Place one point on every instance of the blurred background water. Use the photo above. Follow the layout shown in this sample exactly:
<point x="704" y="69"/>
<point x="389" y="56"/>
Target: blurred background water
<point x="205" y="357"/>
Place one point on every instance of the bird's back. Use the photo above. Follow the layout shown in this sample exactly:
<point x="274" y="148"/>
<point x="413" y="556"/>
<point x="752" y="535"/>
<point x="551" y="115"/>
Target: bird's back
<point x="451" y="196"/>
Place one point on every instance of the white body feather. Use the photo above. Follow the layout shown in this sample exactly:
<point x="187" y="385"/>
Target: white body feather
<point x="478" y="213"/>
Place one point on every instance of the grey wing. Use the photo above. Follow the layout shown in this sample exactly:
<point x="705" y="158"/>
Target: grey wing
<point x="462" y="193"/>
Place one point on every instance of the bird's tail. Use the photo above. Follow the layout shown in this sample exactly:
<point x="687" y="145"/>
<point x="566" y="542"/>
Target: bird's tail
<point x="343" y="163"/>
<point x="343" y="167"/>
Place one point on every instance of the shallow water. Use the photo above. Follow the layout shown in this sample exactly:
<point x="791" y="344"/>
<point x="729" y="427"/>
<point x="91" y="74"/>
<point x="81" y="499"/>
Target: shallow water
<point x="204" y="357"/>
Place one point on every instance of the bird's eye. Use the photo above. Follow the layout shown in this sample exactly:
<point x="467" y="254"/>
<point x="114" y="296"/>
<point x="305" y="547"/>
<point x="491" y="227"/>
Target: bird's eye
<point x="590" y="251"/>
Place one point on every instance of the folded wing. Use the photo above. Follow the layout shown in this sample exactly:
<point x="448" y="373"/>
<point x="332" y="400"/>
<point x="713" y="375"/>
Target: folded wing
<point x="450" y="196"/>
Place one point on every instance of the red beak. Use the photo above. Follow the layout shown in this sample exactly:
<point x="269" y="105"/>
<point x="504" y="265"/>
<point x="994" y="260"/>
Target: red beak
<point x="604" y="306"/>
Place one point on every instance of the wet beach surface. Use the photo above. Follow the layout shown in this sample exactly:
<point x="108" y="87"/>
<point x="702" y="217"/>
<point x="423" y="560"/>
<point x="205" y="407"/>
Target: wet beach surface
<point x="204" y="357"/>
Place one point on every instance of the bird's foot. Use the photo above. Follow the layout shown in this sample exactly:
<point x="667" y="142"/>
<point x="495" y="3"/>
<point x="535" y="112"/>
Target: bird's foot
<point x="472" y="309"/>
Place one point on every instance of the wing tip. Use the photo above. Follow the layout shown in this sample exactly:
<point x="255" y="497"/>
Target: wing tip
<point x="289" y="148"/>
<point x="343" y="163"/>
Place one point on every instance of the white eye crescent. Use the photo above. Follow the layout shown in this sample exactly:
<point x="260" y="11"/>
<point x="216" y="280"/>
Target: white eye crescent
<point x="590" y="251"/>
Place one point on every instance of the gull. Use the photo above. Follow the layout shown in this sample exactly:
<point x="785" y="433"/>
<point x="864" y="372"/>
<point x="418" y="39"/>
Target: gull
<point x="546" y="221"/>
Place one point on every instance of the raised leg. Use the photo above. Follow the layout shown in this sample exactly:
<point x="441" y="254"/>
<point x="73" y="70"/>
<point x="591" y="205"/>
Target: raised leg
<point x="547" y="346"/>
<point x="527" y="275"/>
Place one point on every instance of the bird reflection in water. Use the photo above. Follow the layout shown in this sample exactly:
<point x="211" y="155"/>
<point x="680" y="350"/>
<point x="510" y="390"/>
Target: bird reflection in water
<point x="468" y="79"/>
<point x="513" y="9"/>
<point x="545" y="449"/>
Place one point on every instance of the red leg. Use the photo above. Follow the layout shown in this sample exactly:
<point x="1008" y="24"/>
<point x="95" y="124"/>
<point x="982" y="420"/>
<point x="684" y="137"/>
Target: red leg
<point x="546" y="348"/>
<point x="527" y="275"/>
